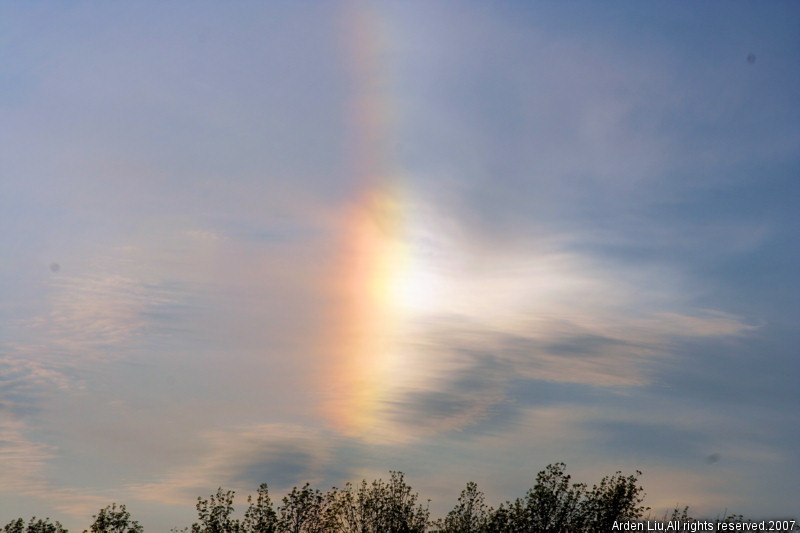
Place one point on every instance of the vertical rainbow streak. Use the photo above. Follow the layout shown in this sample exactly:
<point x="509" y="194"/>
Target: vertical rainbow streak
<point x="373" y="248"/>
<point x="373" y="262"/>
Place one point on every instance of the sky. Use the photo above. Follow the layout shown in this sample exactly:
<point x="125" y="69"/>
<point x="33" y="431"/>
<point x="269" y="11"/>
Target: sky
<point x="282" y="242"/>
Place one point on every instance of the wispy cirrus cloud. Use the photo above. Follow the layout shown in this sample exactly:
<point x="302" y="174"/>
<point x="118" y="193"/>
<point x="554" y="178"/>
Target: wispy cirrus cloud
<point x="548" y="316"/>
<point x="243" y="457"/>
<point x="480" y="374"/>
<point x="24" y="460"/>
<point x="26" y="468"/>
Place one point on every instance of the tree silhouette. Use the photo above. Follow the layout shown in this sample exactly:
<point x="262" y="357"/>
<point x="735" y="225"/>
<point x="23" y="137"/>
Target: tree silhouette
<point x="470" y="515"/>
<point x="34" y="526"/>
<point x="114" y="520"/>
<point x="260" y="517"/>
<point x="615" y="499"/>
<point x="379" y="507"/>
<point x="301" y="511"/>
<point x="553" y="505"/>
<point x="215" y="514"/>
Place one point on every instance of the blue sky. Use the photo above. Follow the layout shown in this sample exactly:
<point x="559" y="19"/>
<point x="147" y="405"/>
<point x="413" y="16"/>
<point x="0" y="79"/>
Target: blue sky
<point x="587" y="222"/>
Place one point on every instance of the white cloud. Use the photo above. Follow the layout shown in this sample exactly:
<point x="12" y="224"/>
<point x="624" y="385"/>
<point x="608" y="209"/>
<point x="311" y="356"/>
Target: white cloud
<point x="545" y="314"/>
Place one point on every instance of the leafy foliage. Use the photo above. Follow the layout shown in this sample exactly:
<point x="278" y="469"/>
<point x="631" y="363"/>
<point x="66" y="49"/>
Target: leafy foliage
<point x="215" y="514"/>
<point x="114" y="520"/>
<point x="260" y="517"/>
<point x="301" y="511"/>
<point x="470" y="515"/>
<point x="553" y="505"/>
<point x="34" y="526"/>
<point x="379" y="507"/>
<point x="617" y="498"/>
